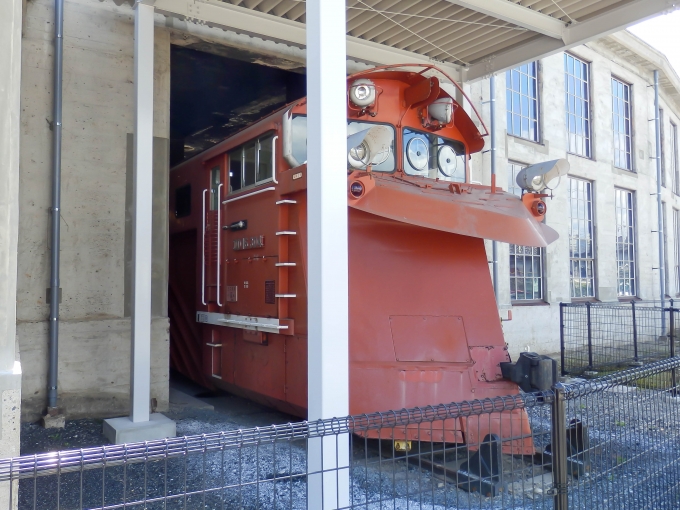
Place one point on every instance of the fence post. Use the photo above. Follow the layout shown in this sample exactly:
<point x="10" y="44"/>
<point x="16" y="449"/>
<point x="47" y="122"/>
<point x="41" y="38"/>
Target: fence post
<point x="590" y="337"/>
<point x="558" y="416"/>
<point x="635" y="338"/>
<point x="671" y="320"/>
<point x="562" y="369"/>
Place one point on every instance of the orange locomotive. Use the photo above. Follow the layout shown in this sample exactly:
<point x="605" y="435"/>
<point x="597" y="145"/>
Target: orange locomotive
<point x="423" y="321"/>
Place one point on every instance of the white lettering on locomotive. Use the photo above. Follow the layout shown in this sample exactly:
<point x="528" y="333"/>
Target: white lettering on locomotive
<point x="248" y="243"/>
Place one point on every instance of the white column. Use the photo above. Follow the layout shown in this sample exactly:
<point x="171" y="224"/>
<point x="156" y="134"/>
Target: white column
<point x="328" y="393"/>
<point x="140" y="425"/>
<point x="10" y="128"/>
<point x="140" y="377"/>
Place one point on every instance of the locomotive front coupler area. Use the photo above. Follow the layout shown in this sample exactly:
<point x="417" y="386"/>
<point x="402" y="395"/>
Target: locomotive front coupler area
<point x="531" y="372"/>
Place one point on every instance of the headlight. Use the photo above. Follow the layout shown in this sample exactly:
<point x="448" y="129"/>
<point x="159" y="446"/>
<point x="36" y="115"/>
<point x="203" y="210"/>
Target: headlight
<point x="362" y="92"/>
<point x="417" y="153"/>
<point x="359" y="156"/>
<point x="447" y="160"/>
<point x="537" y="183"/>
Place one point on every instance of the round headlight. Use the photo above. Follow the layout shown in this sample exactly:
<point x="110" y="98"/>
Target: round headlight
<point x="417" y="153"/>
<point x="447" y="160"/>
<point x="356" y="189"/>
<point x="537" y="182"/>
<point x="362" y="92"/>
<point x="540" y="208"/>
<point x="359" y="156"/>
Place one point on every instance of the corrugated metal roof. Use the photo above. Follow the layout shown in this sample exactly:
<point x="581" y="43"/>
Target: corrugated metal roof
<point x="475" y="36"/>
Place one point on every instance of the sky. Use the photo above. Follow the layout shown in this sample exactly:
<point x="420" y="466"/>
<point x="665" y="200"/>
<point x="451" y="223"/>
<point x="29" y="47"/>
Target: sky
<point x="663" y="33"/>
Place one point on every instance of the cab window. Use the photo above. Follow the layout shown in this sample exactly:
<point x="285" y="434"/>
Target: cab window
<point x="251" y="163"/>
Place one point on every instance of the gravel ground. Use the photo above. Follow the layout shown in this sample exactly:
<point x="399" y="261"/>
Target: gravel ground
<point x="634" y="454"/>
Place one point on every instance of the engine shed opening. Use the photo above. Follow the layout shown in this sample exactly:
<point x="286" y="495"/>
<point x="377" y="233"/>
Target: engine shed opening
<point x="213" y="96"/>
<point x="215" y="91"/>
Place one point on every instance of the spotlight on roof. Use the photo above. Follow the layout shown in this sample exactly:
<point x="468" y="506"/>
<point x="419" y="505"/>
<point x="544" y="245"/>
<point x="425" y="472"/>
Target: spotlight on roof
<point x="535" y="178"/>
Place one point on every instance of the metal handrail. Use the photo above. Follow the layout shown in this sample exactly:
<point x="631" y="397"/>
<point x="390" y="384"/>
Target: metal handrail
<point x="219" y="207"/>
<point x="203" y="255"/>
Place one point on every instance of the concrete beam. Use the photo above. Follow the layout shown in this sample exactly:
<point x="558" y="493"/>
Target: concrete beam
<point x="574" y="35"/>
<point x="250" y="22"/>
<point x="517" y="15"/>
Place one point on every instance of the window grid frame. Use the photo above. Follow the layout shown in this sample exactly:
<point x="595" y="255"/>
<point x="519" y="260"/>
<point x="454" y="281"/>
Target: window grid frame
<point x="675" y="167"/>
<point x="581" y="191"/>
<point x="662" y="137"/>
<point x="676" y="245"/>
<point x="664" y="231"/>
<point x="625" y="207"/>
<point x="584" y="146"/>
<point x="518" y="253"/>
<point x="622" y="124"/>
<point x="529" y="72"/>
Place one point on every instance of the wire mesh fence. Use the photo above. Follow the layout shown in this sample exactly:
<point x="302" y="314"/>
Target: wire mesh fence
<point x="626" y="428"/>
<point x="597" y="337"/>
<point x="612" y="443"/>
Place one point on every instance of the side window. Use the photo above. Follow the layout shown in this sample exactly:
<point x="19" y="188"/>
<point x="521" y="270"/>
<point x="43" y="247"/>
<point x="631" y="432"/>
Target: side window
<point x="183" y="201"/>
<point x="249" y="163"/>
<point x="235" y="160"/>
<point x="299" y="126"/>
<point x="214" y="184"/>
<point x="264" y="159"/>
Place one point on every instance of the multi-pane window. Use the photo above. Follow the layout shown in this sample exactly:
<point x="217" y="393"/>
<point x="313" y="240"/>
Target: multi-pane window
<point x="664" y="231"/>
<point x="676" y="232"/>
<point x="621" y="125"/>
<point x="251" y="163"/>
<point x="526" y="262"/>
<point x="522" y="101"/>
<point x="581" y="245"/>
<point x="625" y="242"/>
<point x="675" y="170"/>
<point x="577" y="83"/>
<point x="662" y="136"/>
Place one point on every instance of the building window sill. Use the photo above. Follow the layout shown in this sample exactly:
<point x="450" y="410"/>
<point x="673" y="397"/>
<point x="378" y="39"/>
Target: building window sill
<point x="530" y="302"/>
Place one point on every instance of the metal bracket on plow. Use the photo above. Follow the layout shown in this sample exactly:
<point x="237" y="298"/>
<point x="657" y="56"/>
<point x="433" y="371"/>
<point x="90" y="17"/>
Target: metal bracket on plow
<point x="483" y="471"/>
<point x="578" y="449"/>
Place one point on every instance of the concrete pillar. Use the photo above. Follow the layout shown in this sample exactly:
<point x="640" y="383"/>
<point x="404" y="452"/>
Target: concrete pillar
<point x="10" y="107"/>
<point x="328" y="358"/>
<point x="141" y="425"/>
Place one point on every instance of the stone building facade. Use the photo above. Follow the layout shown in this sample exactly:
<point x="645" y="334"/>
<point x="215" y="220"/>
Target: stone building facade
<point x="593" y="106"/>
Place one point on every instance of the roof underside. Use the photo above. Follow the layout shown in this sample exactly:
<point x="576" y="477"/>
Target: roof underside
<point x="472" y="37"/>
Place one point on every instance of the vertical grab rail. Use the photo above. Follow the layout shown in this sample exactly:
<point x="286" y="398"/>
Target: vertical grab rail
<point x="219" y="207"/>
<point x="203" y="255"/>
<point x="276" y="137"/>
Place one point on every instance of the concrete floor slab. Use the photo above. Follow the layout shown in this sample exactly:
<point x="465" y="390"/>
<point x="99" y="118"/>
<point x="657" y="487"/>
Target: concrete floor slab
<point x="180" y="398"/>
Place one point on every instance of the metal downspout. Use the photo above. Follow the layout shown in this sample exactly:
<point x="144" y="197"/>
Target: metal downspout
<point x="492" y="127"/>
<point x="56" y="204"/>
<point x="662" y="275"/>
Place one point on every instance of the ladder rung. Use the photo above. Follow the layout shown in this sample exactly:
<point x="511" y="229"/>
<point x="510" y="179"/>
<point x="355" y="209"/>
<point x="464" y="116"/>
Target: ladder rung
<point x="216" y="376"/>
<point x="214" y="345"/>
<point x="285" y="295"/>
<point x="282" y="202"/>
<point x="285" y="264"/>
<point x="286" y="233"/>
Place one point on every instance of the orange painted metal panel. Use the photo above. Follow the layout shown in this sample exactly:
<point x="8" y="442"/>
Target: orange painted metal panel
<point x="444" y="336"/>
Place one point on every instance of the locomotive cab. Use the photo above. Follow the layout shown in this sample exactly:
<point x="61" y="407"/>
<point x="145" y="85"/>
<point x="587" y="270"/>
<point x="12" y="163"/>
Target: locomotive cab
<point x="423" y="321"/>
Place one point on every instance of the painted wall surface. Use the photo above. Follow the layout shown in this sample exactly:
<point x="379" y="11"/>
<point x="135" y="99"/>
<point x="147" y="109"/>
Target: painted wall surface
<point x="98" y="114"/>
<point x="535" y="327"/>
